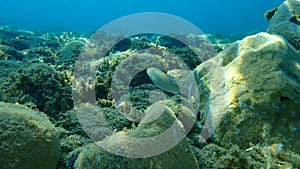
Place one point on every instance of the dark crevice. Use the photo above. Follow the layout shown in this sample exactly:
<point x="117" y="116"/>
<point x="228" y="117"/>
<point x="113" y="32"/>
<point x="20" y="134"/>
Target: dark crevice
<point x="284" y="98"/>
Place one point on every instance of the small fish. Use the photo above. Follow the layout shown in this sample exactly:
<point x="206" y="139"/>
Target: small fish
<point x="169" y="84"/>
<point x="163" y="81"/>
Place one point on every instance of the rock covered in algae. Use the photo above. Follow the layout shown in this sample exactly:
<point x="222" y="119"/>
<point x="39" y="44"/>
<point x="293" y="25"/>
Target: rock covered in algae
<point x="232" y="157"/>
<point x="285" y="21"/>
<point x="37" y="85"/>
<point x="131" y="56"/>
<point x="28" y="139"/>
<point x="260" y="93"/>
<point x="257" y="156"/>
<point x="123" y="142"/>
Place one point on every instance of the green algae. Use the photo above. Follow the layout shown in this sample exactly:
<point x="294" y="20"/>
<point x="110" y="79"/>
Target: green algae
<point x="28" y="139"/>
<point x="39" y="85"/>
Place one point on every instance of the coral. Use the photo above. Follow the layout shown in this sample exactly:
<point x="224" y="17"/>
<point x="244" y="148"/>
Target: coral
<point x="115" y="119"/>
<point x="28" y="139"/>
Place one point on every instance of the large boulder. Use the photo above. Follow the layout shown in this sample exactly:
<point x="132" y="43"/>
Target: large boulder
<point x="28" y="139"/>
<point x="157" y="142"/>
<point x="285" y="21"/>
<point x="254" y="93"/>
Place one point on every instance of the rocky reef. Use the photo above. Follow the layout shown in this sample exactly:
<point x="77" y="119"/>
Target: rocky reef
<point x="37" y="85"/>
<point x="242" y="111"/>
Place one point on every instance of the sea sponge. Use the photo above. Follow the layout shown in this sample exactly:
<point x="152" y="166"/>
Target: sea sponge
<point x="28" y="139"/>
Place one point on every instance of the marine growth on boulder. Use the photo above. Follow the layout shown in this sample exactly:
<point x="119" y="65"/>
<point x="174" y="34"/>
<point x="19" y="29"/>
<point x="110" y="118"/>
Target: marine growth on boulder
<point x="155" y="102"/>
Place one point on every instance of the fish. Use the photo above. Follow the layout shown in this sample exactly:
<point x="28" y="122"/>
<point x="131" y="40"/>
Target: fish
<point x="163" y="81"/>
<point x="187" y="90"/>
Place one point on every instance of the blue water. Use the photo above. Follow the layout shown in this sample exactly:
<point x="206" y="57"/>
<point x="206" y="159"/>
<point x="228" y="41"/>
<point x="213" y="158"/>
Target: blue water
<point x="215" y="16"/>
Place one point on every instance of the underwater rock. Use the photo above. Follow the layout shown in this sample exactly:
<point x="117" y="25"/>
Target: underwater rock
<point x="180" y="156"/>
<point x="131" y="71"/>
<point x="232" y="157"/>
<point x="119" y="71"/>
<point x="184" y="46"/>
<point x="9" y="53"/>
<point x="69" y="121"/>
<point x="92" y="156"/>
<point x="71" y="135"/>
<point x="286" y="22"/>
<point x="256" y="156"/>
<point x="28" y="139"/>
<point x="260" y="89"/>
<point x="19" y="39"/>
<point x="39" y="54"/>
<point x="221" y="42"/>
<point x="70" y="147"/>
<point x="8" y="66"/>
<point x="130" y="65"/>
<point x="66" y="56"/>
<point x="270" y="13"/>
<point x="38" y="85"/>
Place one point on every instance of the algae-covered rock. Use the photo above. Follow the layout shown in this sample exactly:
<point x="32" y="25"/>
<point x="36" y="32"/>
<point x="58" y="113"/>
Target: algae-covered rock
<point x="70" y="147"/>
<point x="28" y="139"/>
<point x="117" y="72"/>
<point x="38" y="84"/>
<point x="71" y="135"/>
<point x="9" y="53"/>
<point x="65" y="57"/>
<point x="256" y="156"/>
<point x="92" y="156"/>
<point x="260" y="102"/>
<point x="232" y="157"/>
<point x="285" y="21"/>
<point x="118" y="68"/>
<point x="151" y="141"/>
<point x="70" y="122"/>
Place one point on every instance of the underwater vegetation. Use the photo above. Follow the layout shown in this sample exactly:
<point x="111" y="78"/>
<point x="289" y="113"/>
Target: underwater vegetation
<point x="28" y="138"/>
<point x="249" y="91"/>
